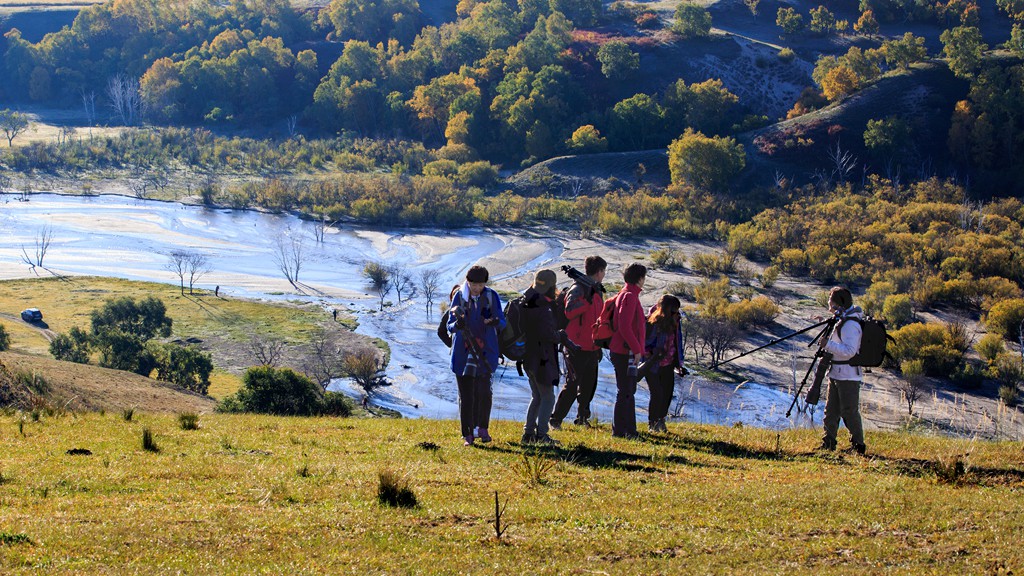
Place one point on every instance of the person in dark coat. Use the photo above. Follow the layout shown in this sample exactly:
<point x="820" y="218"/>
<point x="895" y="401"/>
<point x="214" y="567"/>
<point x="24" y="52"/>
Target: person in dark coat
<point x="540" y="359"/>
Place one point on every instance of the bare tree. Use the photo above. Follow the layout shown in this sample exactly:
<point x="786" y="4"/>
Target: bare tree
<point x="366" y="369"/>
<point x="401" y="280"/>
<point x="197" y="265"/>
<point x="325" y="360"/>
<point x="12" y="124"/>
<point x="289" y="256"/>
<point x="158" y="179"/>
<point x="911" y="388"/>
<point x="843" y="162"/>
<point x="176" y="263"/>
<point x="380" y="278"/>
<point x="66" y="135"/>
<point x="42" y="245"/>
<point x="89" y="105"/>
<point x="430" y="284"/>
<point x="292" y="123"/>
<point x="717" y="337"/>
<point x="320" y="226"/>
<point x="267" y="351"/>
<point x="126" y="98"/>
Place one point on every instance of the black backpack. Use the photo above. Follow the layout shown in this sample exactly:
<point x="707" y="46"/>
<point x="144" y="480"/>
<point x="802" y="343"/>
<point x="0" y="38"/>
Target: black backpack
<point x="558" y="307"/>
<point x="442" y="329"/>
<point x="873" y="343"/>
<point x="512" y="340"/>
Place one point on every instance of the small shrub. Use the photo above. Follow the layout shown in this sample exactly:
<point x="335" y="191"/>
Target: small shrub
<point x="188" y="421"/>
<point x="303" y="471"/>
<point x="968" y="376"/>
<point x="5" y="339"/>
<point x="898" y="310"/>
<point x="787" y="55"/>
<point x="951" y="470"/>
<point x="990" y="347"/>
<point x="665" y="258"/>
<point x="533" y="468"/>
<point x="148" y="442"/>
<point x="709" y="265"/>
<point x="4" y="479"/>
<point x="32" y="381"/>
<point x="759" y="311"/>
<point x="337" y="404"/>
<point x="1008" y="394"/>
<point x="128" y="414"/>
<point x="9" y="539"/>
<point x="769" y="277"/>
<point x="683" y="290"/>
<point x="393" y="490"/>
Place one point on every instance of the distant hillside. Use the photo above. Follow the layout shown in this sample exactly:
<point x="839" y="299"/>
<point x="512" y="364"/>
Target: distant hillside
<point x="85" y="387"/>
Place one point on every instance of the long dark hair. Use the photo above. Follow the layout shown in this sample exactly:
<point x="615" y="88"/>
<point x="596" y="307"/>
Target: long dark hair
<point x="664" y="315"/>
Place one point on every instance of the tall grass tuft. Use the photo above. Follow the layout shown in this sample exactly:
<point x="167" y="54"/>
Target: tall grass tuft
<point x="188" y="421"/>
<point x="128" y="414"/>
<point x="9" y="539"/>
<point x="148" y="442"/>
<point x="4" y="479"/>
<point x="952" y="470"/>
<point x="533" y="468"/>
<point x="393" y="490"/>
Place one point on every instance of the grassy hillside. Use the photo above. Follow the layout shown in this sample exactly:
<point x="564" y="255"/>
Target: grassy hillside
<point x="219" y="325"/>
<point x="81" y="387"/>
<point x="246" y="494"/>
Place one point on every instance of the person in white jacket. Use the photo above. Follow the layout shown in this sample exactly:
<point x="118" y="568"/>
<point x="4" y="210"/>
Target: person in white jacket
<point x="844" y="381"/>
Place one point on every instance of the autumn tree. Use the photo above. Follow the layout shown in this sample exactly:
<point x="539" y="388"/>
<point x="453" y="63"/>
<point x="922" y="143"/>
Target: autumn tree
<point x="789" y="20"/>
<point x="708" y="163"/>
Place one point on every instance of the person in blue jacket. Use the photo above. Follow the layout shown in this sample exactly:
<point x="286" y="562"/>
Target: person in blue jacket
<point x="475" y="321"/>
<point x="664" y="351"/>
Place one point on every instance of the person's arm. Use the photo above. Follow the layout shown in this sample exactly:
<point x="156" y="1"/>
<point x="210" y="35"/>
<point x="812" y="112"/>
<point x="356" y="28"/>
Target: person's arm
<point x="498" y="313"/>
<point x="844" y="348"/>
<point x="575" y="303"/>
<point x="452" y="319"/>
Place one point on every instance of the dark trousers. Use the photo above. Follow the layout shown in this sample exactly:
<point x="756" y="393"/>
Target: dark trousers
<point x="580" y="385"/>
<point x="624" y="416"/>
<point x="662" y="384"/>
<point x="474" y="402"/>
<point x="843" y="402"/>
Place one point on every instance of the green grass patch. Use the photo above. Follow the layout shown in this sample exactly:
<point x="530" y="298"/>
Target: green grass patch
<point x="255" y="494"/>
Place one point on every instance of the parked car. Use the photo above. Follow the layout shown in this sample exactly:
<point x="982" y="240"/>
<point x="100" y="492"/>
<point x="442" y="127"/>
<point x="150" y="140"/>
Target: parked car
<point x="31" y="315"/>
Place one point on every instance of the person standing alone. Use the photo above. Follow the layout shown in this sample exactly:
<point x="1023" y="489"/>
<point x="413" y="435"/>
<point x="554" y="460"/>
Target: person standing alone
<point x="843" y="400"/>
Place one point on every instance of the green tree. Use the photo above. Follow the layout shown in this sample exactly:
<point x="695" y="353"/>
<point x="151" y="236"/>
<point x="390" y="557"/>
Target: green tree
<point x="904" y="51"/>
<point x="963" y="48"/>
<point x="636" y="122"/>
<point x="71" y="347"/>
<point x="145" y="319"/>
<point x="372" y="20"/>
<point x="1013" y="8"/>
<point x="1016" y="42"/>
<point x="692" y="21"/>
<point x="867" y="24"/>
<point x="708" y="163"/>
<point x="1006" y="318"/>
<point x="617" y="60"/>
<point x="886" y="137"/>
<point x="12" y="124"/>
<point x="789" y="20"/>
<point x="281" y="391"/>
<point x="581" y="12"/>
<point x="823" y="21"/>
<point x="185" y="366"/>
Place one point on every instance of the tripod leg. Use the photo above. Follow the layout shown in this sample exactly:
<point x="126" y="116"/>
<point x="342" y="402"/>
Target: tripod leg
<point x="803" y="383"/>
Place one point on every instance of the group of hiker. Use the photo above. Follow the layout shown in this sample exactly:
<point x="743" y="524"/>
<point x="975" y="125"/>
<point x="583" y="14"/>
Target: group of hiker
<point x="577" y="324"/>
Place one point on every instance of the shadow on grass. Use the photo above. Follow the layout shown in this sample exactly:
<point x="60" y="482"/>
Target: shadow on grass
<point x="716" y="447"/>
<point x="954" y="471"/>
<point x="597" y="459"/>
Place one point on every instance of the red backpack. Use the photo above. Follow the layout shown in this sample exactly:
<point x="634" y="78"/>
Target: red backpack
<point x="604" y="328"/>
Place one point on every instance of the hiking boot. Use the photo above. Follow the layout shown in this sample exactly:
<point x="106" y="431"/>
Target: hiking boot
<point x="555" y="424"/>
<point x="546" y="440"/>
<point x="483" y="435"/>
<point x="860" y="449"/>
<point x="467" y="441"/>
<point x="528" y="438"/>
<point x="827" y="445"/>
<point x="584" y="422"/>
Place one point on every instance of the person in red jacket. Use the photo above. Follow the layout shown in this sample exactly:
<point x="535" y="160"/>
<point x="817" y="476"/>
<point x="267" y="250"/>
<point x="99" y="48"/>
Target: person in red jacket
<point x="627" y="348"/>
<point x="583" y="305"/>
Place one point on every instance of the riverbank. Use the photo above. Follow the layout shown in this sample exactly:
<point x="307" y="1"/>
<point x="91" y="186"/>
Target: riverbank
<point x="129" y="238"/>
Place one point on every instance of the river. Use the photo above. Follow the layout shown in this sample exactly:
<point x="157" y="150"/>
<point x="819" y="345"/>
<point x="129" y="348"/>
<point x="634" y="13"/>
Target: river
<point x="130" y="238"/>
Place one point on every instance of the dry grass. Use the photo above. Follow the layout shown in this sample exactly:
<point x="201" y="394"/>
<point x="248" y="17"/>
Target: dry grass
<point x="702" y="499"/>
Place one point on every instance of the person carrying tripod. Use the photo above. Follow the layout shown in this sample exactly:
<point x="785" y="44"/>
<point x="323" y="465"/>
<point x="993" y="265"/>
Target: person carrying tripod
<point x="474" y="322"/>
<point x="843" y="399"/>
<point x="583" y="305"/>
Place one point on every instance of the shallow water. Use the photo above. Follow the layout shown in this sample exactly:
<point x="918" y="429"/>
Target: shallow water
<point x="129" y="238"/>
